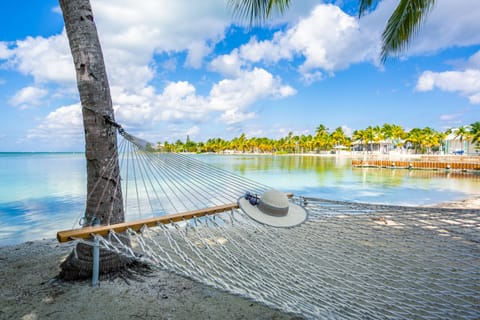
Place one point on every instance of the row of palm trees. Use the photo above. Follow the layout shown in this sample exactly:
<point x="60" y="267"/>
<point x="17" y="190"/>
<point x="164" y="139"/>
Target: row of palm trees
<point x="426" y="140"/>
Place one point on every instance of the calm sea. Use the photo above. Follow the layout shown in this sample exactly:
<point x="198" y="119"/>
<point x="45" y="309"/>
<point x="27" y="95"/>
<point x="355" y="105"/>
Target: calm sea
<point x="42" y="193"/>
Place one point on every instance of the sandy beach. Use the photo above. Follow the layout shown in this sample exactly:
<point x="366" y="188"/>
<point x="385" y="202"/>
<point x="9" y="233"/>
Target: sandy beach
<point x="30" y="291"/>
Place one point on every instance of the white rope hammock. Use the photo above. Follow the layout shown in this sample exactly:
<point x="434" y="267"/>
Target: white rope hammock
<point x="348" y="261"/>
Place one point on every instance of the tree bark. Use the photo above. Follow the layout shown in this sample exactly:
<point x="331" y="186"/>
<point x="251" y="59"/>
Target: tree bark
<point x="104" y="195"/>
<point x="104" y="200"/>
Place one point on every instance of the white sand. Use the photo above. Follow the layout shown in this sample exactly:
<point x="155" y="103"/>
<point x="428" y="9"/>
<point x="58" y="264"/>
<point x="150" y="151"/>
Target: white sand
<point x="28" y="290"/>
<point x="473" y="202"/>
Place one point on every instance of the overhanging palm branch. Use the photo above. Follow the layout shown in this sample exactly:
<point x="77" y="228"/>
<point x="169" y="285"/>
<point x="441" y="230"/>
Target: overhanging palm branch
<point x="257" y="10"/>
<point x="401" y="26"/>
<point x="365" y="5"/>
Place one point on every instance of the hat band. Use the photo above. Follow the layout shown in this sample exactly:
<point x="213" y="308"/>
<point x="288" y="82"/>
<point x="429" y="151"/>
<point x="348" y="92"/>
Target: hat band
<point x="272" y="210"/>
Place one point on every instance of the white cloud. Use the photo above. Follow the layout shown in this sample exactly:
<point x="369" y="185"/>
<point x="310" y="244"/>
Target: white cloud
<point x="28" y="96"/>
<point x="328" y="39"/>
<point x="311" y="77"/>
<point x="179" y="101"/>
<point x="233" y="96"/>
<point x="46" y="59"/>
<point x="228" y="64"/>
<point x="5" y="53"/>
<point x="130" y="35"/>
<point x="449" y="24"/>
<point x="268" y="50"/>
<point x="65" y="123"/>
<point x="426" y="82"/>
<point x="232" y="116"/>
<point x="474" y="61"/>
<point x="347" y="130"/>
<point x="466" y="82"/>
<point x="160" y="26"/>
<point x="450" y="117"/>
<point x="196" y="52"/>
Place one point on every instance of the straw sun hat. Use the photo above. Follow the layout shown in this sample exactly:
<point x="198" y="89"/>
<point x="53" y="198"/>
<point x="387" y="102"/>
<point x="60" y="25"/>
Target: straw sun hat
<point x="274" y="209"/>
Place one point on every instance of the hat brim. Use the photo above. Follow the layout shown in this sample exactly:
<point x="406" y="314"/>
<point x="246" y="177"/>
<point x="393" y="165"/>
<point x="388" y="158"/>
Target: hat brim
<point x="296" y="215"/>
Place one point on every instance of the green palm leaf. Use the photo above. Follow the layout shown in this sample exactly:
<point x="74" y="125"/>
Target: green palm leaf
<point x="365" y="5"/>
<point x="475" y="131"/>
<point x="257" y="11"/>
<point x="403" y="25"/>
<point x="399" y="31"/>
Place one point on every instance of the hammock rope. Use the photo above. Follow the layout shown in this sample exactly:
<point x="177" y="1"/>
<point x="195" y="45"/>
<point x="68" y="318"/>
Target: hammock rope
<point x="347" y="261"/>
<point x="422" y="264"/>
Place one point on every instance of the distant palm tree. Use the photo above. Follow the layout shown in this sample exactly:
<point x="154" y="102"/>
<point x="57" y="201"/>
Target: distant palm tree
<point x="475" y="132"/>
<point x="322" y="137"/>
<point x="463" y="133"/>
<point x="402" y="25"/>
<point x="400" y="28"/>
<point x="363" y="136"/>
<point x="338" y="137"/>
<point x="414" y="138"/>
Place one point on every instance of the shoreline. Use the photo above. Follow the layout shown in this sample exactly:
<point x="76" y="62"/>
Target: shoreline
<point x="29" y="290"/>
<point x="472" y="202"/>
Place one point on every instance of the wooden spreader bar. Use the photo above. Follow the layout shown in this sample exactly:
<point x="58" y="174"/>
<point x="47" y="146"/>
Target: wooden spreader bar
<point x="88" y="232"/>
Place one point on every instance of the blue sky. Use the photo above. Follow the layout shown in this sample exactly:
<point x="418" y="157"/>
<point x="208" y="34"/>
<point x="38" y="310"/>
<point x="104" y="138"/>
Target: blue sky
<point x="179" y="68"/>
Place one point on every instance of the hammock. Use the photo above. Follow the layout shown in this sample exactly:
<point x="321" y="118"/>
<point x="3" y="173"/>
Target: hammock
<point x="348" y="261"/>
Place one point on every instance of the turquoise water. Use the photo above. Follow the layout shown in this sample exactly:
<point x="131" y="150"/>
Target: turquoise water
<point x="42" y="193"/>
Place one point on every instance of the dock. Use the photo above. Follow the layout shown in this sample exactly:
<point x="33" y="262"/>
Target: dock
<point x="467" y="164"/>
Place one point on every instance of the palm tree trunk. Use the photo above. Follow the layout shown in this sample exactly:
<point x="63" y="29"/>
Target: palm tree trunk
<point x="103" y="174"/>
<point x="104" y="201"/>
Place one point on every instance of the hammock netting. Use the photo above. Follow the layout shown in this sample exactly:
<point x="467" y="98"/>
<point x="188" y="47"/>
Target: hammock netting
<point x="348" y="261"/>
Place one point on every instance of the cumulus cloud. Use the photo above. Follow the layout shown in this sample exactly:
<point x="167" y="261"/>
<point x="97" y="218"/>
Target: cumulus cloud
<point x="449" y="24"/>
<point x="466" y="82"/>
<point x="326" y="40"/>
<point x="28" y="96"/>
<point x="251" y="85"/>
<point x="5" y="53"/>
<point x="161" y="26"/>
<point x="65" y="123"/>
<point x="228" y="64"/>
<point x="130" y="35"/>
<point x="179" y="101"/>
<point x="46" y="59"/>
<point x="233" y="116"/>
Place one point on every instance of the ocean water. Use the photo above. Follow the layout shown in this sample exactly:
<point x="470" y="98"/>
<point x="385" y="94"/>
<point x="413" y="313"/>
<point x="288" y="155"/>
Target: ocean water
<point x="42" y="193"/>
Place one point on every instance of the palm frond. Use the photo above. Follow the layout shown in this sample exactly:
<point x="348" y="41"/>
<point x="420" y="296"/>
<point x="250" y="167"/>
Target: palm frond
<point x="365" y="5"/>
<point x="403" y="25"/>
<point x="257" y="11"/>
